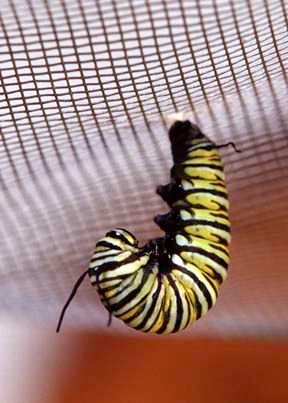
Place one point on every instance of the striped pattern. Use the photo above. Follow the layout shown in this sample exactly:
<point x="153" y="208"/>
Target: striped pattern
<point x="172" y="281"/>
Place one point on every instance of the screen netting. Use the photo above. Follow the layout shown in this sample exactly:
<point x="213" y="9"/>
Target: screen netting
<point x="85" y="88"/>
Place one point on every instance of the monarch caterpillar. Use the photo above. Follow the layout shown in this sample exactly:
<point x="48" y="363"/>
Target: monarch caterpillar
<point x="172" y="281"/>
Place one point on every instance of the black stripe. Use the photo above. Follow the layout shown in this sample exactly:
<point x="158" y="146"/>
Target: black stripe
<point x="225" y="251"/>
<point x="179" y="310"/>
<point x="200" y="146"/>
<point x="117" y="235"/>
<point x="128" y="298"/>
<point x="197" y="206"/>
<point x="219" y="215"/>
<point x="220" y="239"/>
<point x="108" y="245"/>
<point x="151" y="308"/>
<point x="177" y="173"/>
<point x="188" y="308"/>
<point x="214" y="224"/>
<point x="99" y="282"/>
<point x="200" y="159"/>
<point x="175" y="193"/>
<point x="95" y="258"/>
<point x="207" y="276"/>
<point x="107" y="266"/>
<point x="203" y="165"/>
<point x="214" y="192"/>
<point x="133" y="307"/>
<point x="160" y="309"/>
<point x="216" y="183"/>
<point x="196" y="304"/>
<point x="166" y="317"/>
<point x="110" y="288"/>
<point x="203" y="252"/>
<point x="120" y="291"/>
<point x="199" y="283"/>
<point x="137" y="313"/>
<point x="214" y="274"/>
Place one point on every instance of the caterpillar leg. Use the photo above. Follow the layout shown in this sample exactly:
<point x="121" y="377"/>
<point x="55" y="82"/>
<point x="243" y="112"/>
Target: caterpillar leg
<point x="169" y="222"/>
<point x="109" y="319"/>
<point x="170" y="193"/>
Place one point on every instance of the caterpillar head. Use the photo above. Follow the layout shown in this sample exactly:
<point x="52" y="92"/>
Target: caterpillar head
<point x="118" y="238"/>
<point x="115" y="241"/>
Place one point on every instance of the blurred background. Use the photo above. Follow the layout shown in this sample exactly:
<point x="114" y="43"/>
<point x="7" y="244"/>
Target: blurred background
<point x="86" y="86"/>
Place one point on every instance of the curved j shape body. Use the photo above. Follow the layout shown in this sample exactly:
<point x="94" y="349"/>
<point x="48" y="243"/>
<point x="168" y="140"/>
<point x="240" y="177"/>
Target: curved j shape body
<point x="172" y="281"/>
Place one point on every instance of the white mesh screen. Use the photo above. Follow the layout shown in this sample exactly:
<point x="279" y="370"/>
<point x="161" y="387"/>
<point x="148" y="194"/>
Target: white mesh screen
<point x="85" y="88"/>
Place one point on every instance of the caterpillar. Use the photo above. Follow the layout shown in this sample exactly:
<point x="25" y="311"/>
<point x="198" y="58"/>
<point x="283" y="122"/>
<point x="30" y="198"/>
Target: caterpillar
<point x="170" y="282"/>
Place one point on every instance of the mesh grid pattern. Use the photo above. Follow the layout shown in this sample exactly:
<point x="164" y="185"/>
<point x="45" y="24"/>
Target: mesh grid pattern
<point x="85" y="88"/>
